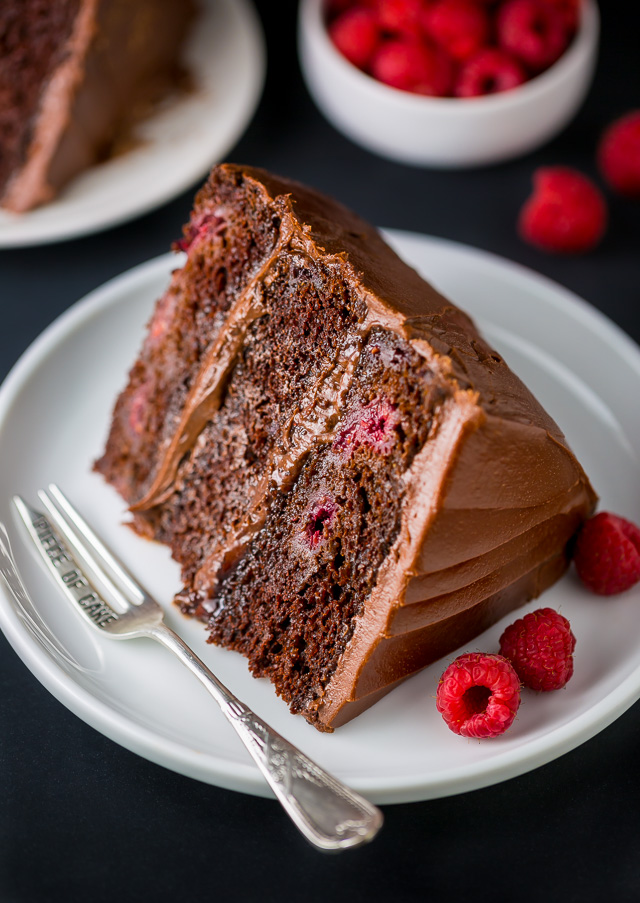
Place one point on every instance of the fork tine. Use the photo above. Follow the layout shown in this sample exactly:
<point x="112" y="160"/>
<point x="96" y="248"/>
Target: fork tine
<point x="81" y="546"/>
<point x="65" y="569"/>
<point x="108" y="560"/>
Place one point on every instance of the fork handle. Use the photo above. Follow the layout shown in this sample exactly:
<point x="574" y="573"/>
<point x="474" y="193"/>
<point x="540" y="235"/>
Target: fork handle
<point x="330" y="815"/>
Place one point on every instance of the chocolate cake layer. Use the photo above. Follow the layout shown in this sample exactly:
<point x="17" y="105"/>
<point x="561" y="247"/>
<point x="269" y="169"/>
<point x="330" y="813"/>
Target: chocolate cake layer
<point x="75" y="75"/>
<point x="352" y="480"/>
<point x="44" y="27"/>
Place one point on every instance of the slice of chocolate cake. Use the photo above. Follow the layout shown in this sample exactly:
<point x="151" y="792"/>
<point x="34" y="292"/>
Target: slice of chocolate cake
<point x="353" y="481"/>
<point x="74" y="76"/>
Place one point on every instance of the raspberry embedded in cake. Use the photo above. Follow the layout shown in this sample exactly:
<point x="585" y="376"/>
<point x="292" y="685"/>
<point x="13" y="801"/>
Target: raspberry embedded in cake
<point x="163" y="316"/>
<point x="139" y="408"/>
<point x="201" y="226"/>
<point x="374" y="426"/>
<point x="318" y="521"/>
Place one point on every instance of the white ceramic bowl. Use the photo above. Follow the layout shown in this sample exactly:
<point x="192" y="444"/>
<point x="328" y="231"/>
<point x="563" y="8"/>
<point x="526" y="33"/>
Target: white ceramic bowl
<point x="441" y="131"/>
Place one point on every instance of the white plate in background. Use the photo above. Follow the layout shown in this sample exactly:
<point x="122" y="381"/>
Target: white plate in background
<point x="54" y="413"/>
<point x="176" y="146"/>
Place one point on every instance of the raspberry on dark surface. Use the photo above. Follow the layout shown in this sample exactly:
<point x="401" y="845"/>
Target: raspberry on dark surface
<point x="566" y="214"/>
<point x="607" y="554"/>
<point x="478" y="695"/>
<point x="619" y="155"/>
<point x="488" y="72"/>
<point x="533" y="31"/>
<point x="540" y="647"/>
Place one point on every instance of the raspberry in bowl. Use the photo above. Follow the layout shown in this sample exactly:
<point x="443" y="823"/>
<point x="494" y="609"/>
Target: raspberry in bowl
<point x="448" y="83"/>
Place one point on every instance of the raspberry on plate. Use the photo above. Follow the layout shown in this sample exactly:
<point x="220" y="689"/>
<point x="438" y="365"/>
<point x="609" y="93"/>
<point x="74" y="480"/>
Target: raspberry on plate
<point x="619" y="154"/>
<point x="607" y="554"/>
<point x="478" y="695"/>
<point x="540" y="647"/>
<point x="533" y="31"/>
<point x="491" y="70"/>
<point x="566" y="213"/>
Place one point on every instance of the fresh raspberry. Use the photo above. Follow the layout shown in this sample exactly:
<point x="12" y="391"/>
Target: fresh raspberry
<point x="355" y="33"/>
<point x="607" y="554"/>
<point x="478" y="695"/>
<point x="460" y="27"/>
<point x="533" y="31"/>
<point x="566" y="213"/>
<point x="488" y="72"/>
<point x="412" y="66"/>
<point x="335" y="7"/>
<point x="540" y="648"/>
<point x="619" y="154"/>
<point x="569" y="10"/>
<point x="400" y="16"/>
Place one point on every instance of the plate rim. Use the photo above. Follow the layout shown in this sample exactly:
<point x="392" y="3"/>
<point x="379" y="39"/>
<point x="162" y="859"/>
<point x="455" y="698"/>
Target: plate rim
<point x="244" y="777"/>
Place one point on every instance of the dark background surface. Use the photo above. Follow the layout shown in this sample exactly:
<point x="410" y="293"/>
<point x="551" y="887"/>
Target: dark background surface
<point x="84" y="819"/>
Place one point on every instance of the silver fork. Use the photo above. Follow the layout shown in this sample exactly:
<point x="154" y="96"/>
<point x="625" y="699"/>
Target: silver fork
<point x="330" y="815"/>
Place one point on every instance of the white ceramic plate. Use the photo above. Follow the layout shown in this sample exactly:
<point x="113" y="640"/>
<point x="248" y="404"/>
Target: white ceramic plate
<point x="54" y="412"/>
<point x="176" y="146"/>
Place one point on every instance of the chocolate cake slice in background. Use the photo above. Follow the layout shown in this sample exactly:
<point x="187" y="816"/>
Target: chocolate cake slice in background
<point x="75" y="75"/>
<point x="353" y="481"/>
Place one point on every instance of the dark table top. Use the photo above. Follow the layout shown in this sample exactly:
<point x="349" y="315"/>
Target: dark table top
<point x="84" y="819"/>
